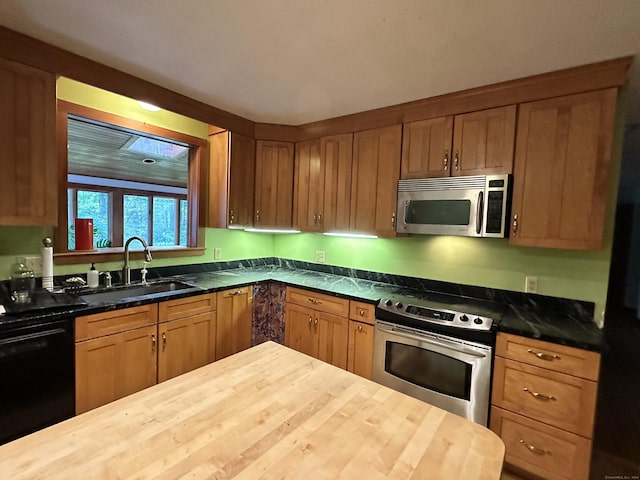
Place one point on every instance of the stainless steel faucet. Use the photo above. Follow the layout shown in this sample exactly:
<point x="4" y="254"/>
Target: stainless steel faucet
<point x="126" y="271"/>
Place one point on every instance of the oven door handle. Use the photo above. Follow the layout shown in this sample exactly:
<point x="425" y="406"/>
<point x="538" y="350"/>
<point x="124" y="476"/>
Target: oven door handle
<point x="427" y="339"/>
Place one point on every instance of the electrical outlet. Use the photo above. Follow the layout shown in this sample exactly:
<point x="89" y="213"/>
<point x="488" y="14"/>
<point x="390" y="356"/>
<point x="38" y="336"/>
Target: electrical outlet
<point x="217" y="253"/>
<point x="531" y="285"/>
<point x="320" y="256"/>
<point x="34" y="263"/>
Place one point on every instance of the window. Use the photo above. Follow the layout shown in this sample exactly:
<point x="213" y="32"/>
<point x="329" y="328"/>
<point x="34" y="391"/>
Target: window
<point x="130" y="178"/>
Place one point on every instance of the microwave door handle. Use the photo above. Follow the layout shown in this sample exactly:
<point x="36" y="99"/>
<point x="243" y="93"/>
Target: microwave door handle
<point x="404" y="216"/>
<point x="479" y="212"/>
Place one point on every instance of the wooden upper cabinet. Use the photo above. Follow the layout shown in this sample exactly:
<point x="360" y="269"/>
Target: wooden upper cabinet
<point x="426" y="148"/>
<point x="476" y="143"/>
<point x="231" y="180"/>
<point x="308" y="187"/>
<point x="336" y="154"/>
<point x="374" y="180"/>
<point x="274" y="184"/>
<point x="561" y="171"/>
<point x="27" y="145"/>
<point x="483" y="142"/>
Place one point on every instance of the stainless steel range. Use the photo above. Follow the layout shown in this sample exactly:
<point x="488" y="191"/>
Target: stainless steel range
<point x="438" y="348"/>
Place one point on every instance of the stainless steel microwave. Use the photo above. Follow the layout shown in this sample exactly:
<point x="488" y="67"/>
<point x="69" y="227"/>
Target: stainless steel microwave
<point x="472" y="206"/>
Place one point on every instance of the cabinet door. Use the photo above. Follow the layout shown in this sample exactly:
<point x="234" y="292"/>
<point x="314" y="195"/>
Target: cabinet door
<point x="300" y="329"/>
<point x="242" y="166"/>
<point x="308" y="187"/>
<point x="336" y="154"/>
<point x="561" y="171"/>
<point x="375" y="174"/>
<point x="185" y="344"/>
<point x="274" y="184"/>
<point x="231" y="180"/>
<point x="483" y="142"/>
<point x="426" y="148"/>
<point x="233" y="325"/>
<point x="360" y="352"/>
<point x="114" y="366"/>
<point x="27" y="145"/>
<point x="333" y="333"/>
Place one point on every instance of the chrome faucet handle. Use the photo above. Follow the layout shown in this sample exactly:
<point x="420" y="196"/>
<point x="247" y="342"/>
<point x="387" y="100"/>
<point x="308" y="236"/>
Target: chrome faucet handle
<point x="144" y="272"/>
<point x="107" y="279"/>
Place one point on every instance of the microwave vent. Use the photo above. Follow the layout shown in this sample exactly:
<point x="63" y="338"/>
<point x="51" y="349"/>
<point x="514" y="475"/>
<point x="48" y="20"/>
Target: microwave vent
<point x="445" y="183"/>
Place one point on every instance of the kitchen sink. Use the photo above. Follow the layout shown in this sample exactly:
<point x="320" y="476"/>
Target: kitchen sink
<point x="132" y="291"/>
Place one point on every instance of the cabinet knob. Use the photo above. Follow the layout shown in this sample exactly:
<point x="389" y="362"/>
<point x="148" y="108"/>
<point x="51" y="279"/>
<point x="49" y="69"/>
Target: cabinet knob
<point x="359" y="328"/>
<point x="315" y="219"/>
<point x="319" y="219"/>
<point x="515" y="223"/>
<point x="361" y="312"/>
<point x="393" y="221"/>
<point x="257" y="215"/>
<point x="456" y="160"/>
<point x="446" y="160"/>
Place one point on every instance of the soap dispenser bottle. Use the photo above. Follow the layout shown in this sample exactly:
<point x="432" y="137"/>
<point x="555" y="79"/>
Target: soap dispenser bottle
<point x="93" y="277"/>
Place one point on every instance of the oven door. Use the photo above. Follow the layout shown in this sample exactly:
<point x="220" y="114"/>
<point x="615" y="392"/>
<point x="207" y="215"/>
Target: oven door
<point x="446" y="372"/>
<point x="441" y="212"/>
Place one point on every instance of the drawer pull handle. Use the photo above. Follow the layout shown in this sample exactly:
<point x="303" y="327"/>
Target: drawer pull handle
<point x="544" y="356"/>
<point x="237" y="292"/>
<point x="153" y="344"/>
<point x="310" y="322"/>
<point x="361" y="312"/>
<point x="315" y="301"/>
<point x="534" y="449"/>
<point x="540" y="396"/>
<point x="164" y="341"/>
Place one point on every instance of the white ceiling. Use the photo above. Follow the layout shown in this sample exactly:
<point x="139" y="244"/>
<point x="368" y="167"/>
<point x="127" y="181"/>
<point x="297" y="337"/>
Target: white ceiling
<point x="296" y="61"/>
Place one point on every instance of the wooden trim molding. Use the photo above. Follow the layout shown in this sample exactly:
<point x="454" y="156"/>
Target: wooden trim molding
<point x="28" y="50"/>
<point x="196" y="195"/>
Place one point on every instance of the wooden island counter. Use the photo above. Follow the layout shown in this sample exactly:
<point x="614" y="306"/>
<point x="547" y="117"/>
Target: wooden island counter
<point x="267" y="412"/>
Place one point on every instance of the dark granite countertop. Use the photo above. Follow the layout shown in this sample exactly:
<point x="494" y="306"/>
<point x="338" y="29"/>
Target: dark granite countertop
<point x="561" y="321"/>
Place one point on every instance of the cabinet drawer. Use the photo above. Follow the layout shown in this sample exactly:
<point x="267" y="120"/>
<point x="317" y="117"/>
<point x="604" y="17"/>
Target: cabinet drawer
<point x="362" y="312"/>
<point x="186" y="307"/>
<point x="540" y="449"/>
<point x="560" y="400"/>
<point x="318" y="301"/>
<point x="107" y="323"/>
<point x="560" y="358"/>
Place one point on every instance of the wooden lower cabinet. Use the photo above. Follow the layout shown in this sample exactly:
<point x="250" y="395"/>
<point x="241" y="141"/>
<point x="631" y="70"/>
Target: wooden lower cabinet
<point x="123" y="351"/>
<point x="114" y="366"/>
<point x="234" y="317"/>
<point x="319" y="333"/>
<point x="540" y="449"/>
<point x="360" y="350"/>
<point x="185" y="344"/>
<point x="544" y="416"/>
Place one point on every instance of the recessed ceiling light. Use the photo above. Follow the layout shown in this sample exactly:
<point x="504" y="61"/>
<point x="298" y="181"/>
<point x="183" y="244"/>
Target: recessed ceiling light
<point x="148" y="161"/>
<point x="148" y="106"/>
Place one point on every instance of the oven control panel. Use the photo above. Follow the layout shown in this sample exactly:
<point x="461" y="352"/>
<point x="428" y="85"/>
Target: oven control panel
<point x="438" y="315"/>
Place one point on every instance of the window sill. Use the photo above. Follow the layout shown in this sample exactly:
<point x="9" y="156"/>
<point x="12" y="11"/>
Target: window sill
<point x="102" y="255"/>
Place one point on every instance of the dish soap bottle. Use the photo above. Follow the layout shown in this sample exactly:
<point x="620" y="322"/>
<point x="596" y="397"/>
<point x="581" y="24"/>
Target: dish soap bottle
<point x="93" y="277"/>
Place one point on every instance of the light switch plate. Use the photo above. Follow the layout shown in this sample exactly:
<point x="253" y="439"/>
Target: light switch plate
<point x="320" y="256"/>
<point x="217" y="253"/>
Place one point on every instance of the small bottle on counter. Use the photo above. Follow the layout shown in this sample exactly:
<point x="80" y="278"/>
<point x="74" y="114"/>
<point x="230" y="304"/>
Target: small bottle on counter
<point x="93" y="278"/>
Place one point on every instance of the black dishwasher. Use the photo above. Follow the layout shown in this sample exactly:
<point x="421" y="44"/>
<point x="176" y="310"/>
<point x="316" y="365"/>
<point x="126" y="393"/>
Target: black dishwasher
<point x="37" y="386"/>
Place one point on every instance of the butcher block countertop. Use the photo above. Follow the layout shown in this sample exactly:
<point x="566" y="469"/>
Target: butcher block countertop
<point x="267" y="412"/>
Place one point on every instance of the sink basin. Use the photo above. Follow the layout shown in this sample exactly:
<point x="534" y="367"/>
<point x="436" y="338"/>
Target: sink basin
<point x="132" y="291"/>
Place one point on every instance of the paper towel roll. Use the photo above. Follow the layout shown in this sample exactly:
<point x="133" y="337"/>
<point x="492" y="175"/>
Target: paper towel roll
<point x="47" y="265"/>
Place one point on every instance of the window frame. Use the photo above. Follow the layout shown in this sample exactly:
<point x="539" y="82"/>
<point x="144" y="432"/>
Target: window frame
<point x="196" y="189"/>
